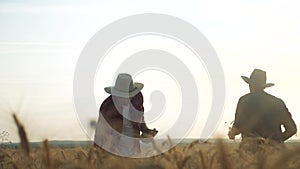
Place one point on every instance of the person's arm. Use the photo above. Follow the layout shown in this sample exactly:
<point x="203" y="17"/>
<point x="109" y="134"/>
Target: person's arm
<point x="107" y="109"/>
<point x="288" y="123"/>
<point x="144" y="128"/>
<point x="237" y="121"/>
<point x="233" y="132"/>
<point x="137" y="102"/>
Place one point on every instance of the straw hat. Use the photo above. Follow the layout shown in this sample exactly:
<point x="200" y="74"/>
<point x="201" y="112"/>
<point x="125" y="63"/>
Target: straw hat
<point x="124" y="86"/>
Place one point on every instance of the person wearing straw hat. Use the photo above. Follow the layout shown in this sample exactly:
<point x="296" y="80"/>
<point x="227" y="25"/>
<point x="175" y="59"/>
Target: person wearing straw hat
<point x="121" y="118"/>
<point x="260" y="114"/>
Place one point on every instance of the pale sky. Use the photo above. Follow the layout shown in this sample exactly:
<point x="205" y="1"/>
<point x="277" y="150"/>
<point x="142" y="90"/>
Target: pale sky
<point x="40" y="43"/>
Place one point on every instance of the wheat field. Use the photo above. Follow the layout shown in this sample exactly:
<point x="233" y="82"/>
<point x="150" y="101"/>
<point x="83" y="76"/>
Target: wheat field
<point x="255" y="153"/>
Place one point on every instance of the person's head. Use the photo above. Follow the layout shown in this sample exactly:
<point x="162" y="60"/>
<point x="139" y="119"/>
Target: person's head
<point x="257" y="81"/>
<point x="254" y="88"/>
<point x="121" y="100"/>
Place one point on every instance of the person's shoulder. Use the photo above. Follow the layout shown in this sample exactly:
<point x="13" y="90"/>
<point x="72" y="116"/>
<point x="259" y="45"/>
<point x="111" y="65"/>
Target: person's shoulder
<point x="271" y="96"/>
<point x="243" y="99"/>
<point x="254" y="96"/>
<point x="106" y="103"/>
<point x="246" y="96"/>
<point x="139" y="95"/>
<point x="107" y="100"/>
<point x="138" y="99"/>
<point x="274" y="98"/>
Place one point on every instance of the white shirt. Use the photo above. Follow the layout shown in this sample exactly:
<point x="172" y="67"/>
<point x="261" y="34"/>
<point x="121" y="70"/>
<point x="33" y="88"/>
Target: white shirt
<point x="126" y="143"/>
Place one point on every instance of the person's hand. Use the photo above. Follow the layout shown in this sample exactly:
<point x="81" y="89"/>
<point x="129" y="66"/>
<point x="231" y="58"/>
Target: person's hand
<point x="232" y="132"/>
<point x="148" y="134"/>
<point x="231" y="135"/>
<point x="153" y="132"/>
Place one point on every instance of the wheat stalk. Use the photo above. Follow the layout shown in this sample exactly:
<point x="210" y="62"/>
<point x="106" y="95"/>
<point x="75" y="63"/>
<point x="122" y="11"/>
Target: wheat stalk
<point x="23" y="137"/>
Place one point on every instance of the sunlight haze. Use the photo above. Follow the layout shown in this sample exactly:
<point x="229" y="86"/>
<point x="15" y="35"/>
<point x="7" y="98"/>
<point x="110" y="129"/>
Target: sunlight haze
<point x="41" y="42"/>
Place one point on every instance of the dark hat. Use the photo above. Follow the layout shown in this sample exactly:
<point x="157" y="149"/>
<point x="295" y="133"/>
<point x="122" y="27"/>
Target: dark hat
<point x="257" y="78"/>
<point x="124" y="86"/>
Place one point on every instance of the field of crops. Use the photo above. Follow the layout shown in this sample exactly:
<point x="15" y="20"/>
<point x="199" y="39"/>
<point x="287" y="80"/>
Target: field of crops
<point x="257" y="154"/>
<point x="252" y="154"/>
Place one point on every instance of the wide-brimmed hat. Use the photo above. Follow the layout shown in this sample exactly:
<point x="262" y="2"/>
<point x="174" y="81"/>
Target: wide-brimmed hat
<point x="257" y="78"/>
<point x="124" y="86"/>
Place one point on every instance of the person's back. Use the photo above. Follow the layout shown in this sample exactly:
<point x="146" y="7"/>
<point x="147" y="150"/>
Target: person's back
<point x="260" y="114"/>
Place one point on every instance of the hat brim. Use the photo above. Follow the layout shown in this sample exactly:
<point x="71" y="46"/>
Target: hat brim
<point x="247" y="79"/>
<point x="115" y="92"/>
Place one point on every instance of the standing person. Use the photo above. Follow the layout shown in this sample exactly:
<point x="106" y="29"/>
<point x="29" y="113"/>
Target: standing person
<point x="121" y="118"/>
<point x="260" y="114"/>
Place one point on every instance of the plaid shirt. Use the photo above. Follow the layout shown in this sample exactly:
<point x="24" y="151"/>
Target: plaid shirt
<point x="108" y="135"/>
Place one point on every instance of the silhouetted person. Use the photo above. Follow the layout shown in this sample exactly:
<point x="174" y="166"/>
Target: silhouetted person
<point x="121" y="118"/>
<point x="260" y="114"/>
